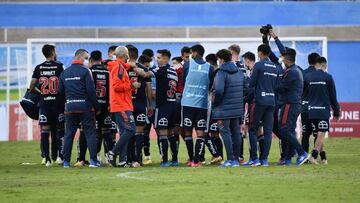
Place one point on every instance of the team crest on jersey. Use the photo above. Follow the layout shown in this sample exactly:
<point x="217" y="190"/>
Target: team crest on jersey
<point x="42" y="118"/>
<point x="187" y="122"/>
<point x="108" y="121"/>
<point x="201" y="123"/>
<point x="141" y="117"/>
<point x="323" y="125"/>
<point x="163" y="122"/>
<point x="214" y="127"/>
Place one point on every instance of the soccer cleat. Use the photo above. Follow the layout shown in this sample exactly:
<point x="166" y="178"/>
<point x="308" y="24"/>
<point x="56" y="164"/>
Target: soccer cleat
<point x="165" y="164"/>
<point x="43" y="161"/>
<point x="302" y="159"/>
<point x="235" y="163"/>
<point x="264" y="162"/>
<point x="147" y="160"/>
<point x="66" y="164"/>
<point x="175" y="163"/>
<point x="227" y="163"/>
<point x="324" y="161"/>
<point x="216" y="160"/>
<point x="59" y="161"/>
<point x="123" y="165"/>
<point x="79" y="164"/>
<point x="110" y="156"/>
<point x="196" y="165"/>
<point x="312" y="160"/>
<point x="253" y="163"/>
<point x="135" y="165"/>
<point x="48" y="164"/>
<point x="94" y="164"/>
<point x="189" y="163"/>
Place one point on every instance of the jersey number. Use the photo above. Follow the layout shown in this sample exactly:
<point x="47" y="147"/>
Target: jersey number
<point x="49" y="85"/>
<point x="172" y="90"/>
<point x="100" y="88"/>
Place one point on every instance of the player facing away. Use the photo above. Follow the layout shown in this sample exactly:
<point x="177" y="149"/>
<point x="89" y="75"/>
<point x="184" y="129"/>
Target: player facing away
<point x="290" y="90"/>
<point x="121" y="105"/>
<point x="321" y="90"/>
<point x="103" y="120"/>
<point x="227" y="105"/>
<point x="306" y="123"/>
<point x="166" y="82"/>
<point x="141" y="97"/>
<point x="77" y="87"/>
<point x="263" y="79"/>
<point x="45" y="81"/>
<point x="197" y="78"/>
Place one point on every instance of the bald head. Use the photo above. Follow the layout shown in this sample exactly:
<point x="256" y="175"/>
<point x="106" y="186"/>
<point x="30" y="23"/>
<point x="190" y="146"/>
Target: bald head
<point x="122" y="53"/>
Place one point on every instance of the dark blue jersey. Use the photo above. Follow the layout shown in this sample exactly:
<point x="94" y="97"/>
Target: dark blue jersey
<point x="166" y="82"/>
<point x="246" y="89"/>
<point x="100" y="75"/>
<point x="47" y="75"/>
<point x="305" y="95"/>
<point x="264" y="79"/>
<point x="139" y="95"/>
<point x="77" y="86"/>
<point x="321" y="94"/>
<point x="290" y="87"/>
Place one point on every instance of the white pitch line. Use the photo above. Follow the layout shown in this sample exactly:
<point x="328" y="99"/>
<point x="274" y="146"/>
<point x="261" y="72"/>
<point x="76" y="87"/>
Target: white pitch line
<point x="126" y="175"/>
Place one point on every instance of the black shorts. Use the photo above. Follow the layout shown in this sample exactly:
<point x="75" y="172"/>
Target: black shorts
<point x="193" y="118"/>
<point x="140" y="114"/>
<point x="212" y="126"/>
<point x="165" y="116"/>
<point x="320" y="125"/>
<point x="307" y="125"/>
<point x="103" y="121"/>
<point x="50" y="116"/>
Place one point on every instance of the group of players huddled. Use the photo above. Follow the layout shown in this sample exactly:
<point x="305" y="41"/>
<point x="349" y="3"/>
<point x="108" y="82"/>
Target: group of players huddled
<point x="222" y="97"/>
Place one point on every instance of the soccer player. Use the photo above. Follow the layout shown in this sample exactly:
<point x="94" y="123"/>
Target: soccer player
<point x="321" y="90"/>
<point x="141" y="97"/>
<point x="290" y="89"/>
<point x="166" y="82"/>
<point x="185" y="54"/>
<point x="235" y="56"/>
<point x="77" y="86"/>
<point x="121" y="105"/>
<point x="197" y="78"/>
<point x="228" y="105"/>
<point x="263" y="79"/>
<point x="306" y="123"/>
<point x="104" y="123"/>
<point x="45" y="81"/>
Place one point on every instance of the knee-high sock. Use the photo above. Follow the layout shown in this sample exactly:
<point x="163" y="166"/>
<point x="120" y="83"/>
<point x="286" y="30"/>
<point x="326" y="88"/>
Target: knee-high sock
<point x="82" y="146"/>
<point x="211" y="146"/>
<point x="173" y="147"/>
<point x="190" y="147"/>
<point x="139" y="141"/>
<point x="199" y="147"/>
<point x="164" y="146"/>
<point x="45" y="143"/>
<point x="60" y="140"/>
<point x="54" y="143"/>
<point x="219" y="145"/>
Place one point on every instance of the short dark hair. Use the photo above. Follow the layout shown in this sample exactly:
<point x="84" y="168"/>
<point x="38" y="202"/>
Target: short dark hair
<point x="164" y="52"/>
<point x="211" y="58"/>
<point x="129" y="46"/>
<point x="133" y="52"/>
<point x="321" y="60"/>
<point x="312" y="58"/>
<point x="290" y="54"/>
<point x="198" y="48"/>
<point x="112" y="48"/>
<point x="185" y="49"/>
<point x="48" y="50"/>
<point x="264" y="48"/>
<point x="224" y="54"/>
<point x="177" y="58"/>
<point x="148" y="52"/>
<point x="96" y="55"/>
<point x="235" y="48"/>
<point x="80" y="51"/>
<point x="249" y="55"/>
<point x="144" y="59"/>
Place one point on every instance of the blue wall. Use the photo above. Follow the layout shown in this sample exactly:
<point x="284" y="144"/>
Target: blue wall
<point x="179" y="14"/>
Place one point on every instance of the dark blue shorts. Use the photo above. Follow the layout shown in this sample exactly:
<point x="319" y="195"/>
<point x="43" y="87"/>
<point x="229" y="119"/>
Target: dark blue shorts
<point x="165" y="116"/>
<point x="50" y="116"/>
<point x="193" y="118"/>
<point x="103" y="120"/>
<point x="140" y="114"/>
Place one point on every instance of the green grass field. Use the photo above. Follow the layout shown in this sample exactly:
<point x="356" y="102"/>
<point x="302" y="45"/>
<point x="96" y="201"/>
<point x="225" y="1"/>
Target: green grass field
<point x="337" y="182"/>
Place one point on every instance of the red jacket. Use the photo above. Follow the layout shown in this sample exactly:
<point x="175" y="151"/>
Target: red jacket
<point x="120" y="87"/>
